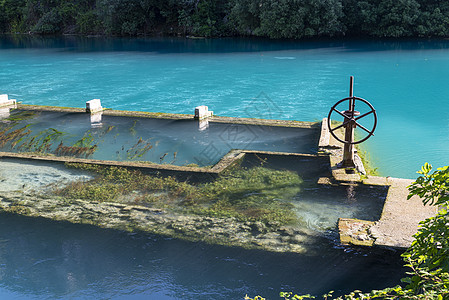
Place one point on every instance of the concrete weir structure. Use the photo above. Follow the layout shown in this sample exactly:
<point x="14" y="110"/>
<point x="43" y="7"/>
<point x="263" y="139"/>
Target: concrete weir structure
<point x="400" y="217"/>
<point x="395" y="228"/>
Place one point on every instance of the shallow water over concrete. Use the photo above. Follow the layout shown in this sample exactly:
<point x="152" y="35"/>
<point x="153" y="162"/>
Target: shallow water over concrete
<point x="28" y="176"/>
<point x="84" y="262"/>
<point x="178" y="142"/>
<point x="318" y="206"/>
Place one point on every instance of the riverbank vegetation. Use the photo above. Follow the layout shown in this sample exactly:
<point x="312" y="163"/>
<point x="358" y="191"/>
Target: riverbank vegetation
<point x="428" y="256"/>
<point x="254" y="194"/>
<point x="291" y="19"/>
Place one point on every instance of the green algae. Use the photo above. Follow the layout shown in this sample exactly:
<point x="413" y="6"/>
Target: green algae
<point x="254" y="194"/>
<point x="18" y="116"/>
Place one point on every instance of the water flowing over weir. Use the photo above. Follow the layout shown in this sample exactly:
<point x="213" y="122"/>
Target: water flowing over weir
<point x="316" y="207"/>
<point x="172" y="141"/>
<point x="254" y="79"/>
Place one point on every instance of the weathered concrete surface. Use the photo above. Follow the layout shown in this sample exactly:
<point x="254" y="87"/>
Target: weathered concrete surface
<point x="170" y="116"/>
<point x="355" y="232"/>
<point x="400" y="217"/>
<point x="227" y="161"/>
<point x="399" y="220"/>
<point x="128" y="216"/>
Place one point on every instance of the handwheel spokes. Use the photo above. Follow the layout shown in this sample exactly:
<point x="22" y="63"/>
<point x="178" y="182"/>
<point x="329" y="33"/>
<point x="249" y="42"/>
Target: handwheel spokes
<point x="340" y="126"/>
<point x="364" y="128"/>
<point x="350" y="119"/>
<point x="339" y="112"/>
<point x="364" y="115"/>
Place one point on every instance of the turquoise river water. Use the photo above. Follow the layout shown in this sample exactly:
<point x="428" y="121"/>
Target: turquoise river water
<point x="405" y="81"/>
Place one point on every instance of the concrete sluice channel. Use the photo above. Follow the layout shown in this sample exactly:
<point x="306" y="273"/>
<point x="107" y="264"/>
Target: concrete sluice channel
<point x="258" y="184"/>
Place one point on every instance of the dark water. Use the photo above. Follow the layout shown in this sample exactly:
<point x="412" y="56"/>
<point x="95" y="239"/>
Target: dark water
<point x="40" y="259"/>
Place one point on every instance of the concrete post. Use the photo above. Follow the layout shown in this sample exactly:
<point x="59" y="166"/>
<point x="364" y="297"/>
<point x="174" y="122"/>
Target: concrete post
<point x="203" y="112"/>
<point x="6" y="102"/>
<point x="93" y="106"/>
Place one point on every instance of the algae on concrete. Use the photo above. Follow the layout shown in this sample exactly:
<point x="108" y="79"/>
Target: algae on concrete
<point x="244" y="207"/>
<point x="255" y="194"/>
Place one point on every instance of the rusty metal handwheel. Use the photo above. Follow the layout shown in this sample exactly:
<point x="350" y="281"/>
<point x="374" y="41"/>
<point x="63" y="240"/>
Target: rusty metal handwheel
<point x="350" y="117"/>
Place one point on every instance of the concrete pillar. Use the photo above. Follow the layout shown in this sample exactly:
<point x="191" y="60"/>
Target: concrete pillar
<point x="93" y="106"/>
<point x="4" y="113"/>
<point x="6" y="102"/>
<point x="202" y="112"/>
<point x="203" y="124"/>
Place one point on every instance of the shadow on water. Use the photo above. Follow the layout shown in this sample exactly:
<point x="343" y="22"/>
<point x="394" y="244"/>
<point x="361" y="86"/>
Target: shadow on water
<point x="169" y="45"/>
<point x="45" y="259"/>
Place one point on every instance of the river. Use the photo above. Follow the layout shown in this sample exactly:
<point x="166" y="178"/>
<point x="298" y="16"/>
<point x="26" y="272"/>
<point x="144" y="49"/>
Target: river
<point x="405" y="81"/>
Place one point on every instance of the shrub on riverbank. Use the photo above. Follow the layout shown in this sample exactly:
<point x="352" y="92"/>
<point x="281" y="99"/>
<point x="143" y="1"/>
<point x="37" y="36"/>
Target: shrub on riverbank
<point x="214" y="18"/>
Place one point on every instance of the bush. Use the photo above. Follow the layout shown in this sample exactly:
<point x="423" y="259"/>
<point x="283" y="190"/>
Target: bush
<point x="50" y="23"/>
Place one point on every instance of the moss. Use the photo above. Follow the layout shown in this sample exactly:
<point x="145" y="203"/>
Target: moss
<point x="112" y="182"/>
<point x="192" y="165"/>
<point x="18" y="209"/>
<point x="17" y="115"/>
<point x="256" y="194"/>
<point x="367" y="161"/>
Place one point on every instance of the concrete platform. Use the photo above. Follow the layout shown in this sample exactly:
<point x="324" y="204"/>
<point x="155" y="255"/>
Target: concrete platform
<point x="400" y="217"/>
<point x="398" y="223"/>
<point x="395" y="228"/>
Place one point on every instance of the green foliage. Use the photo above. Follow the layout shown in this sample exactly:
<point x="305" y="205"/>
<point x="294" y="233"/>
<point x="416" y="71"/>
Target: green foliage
<point x="49" y="23"/>
<point x="288" y="18"/>
<point x="11" y="15"/>
<point x="89" y="23"/>
<point x="211" y="18"/>
<point x="433" y="188"/>
<point x="396" y="18"/>
<point x="427" y="257"/>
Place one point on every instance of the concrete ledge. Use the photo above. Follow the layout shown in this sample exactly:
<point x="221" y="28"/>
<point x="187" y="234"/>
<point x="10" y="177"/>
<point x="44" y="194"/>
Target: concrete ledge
<point x="355" y="232"/>
<point x="183" y="171"/>
<point x="232" y="158"/>
<point x="399" y="220"/>
<point x="325" y="135"/>
<point x="170" y="116"/>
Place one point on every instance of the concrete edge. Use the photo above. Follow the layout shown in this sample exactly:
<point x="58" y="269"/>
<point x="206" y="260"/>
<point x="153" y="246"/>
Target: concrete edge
<point x="173" y="116"/>
<point x="355" y="232"/>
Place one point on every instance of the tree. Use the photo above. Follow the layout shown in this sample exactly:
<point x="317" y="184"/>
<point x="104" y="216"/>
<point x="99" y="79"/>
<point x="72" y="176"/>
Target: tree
<point x="397" y="18"/>
<point x="11" y="15"/>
